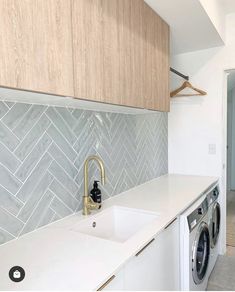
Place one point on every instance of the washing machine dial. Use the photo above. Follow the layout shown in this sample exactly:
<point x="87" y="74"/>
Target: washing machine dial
<point x="200" y="211"/>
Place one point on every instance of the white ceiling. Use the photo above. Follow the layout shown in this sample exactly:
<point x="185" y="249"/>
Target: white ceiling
<point x="191" y="28"/>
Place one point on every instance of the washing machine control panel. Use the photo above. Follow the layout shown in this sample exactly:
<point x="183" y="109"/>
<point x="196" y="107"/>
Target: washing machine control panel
<point x="196" y="216"/>
<point x="213" y="195"/>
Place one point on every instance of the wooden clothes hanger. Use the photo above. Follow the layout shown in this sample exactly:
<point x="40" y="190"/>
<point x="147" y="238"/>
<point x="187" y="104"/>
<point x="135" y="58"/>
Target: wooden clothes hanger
<point x="187" y="84"/>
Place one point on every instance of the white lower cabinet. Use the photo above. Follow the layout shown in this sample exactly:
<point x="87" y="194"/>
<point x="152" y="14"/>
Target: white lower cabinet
<point x="155" y="267"/>
<point x="141" y="272"/>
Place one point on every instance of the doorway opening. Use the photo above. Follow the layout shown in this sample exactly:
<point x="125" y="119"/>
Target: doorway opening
<point x="230" y="236"/>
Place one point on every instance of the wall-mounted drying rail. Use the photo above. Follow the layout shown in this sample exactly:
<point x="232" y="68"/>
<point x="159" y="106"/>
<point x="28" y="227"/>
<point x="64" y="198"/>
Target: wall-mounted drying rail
<point x="179" y="74"/>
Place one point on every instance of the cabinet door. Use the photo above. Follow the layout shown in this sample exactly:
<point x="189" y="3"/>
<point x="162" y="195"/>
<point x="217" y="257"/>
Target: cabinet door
<point x="105" y="45"/>
<point x="36" y="45"/>
<point x="168" y="258"/>
<point x="156" y="69"/>
<point x="118" y="53"/>
<point x="157" y="266"/>
<point x="141" y="271"/>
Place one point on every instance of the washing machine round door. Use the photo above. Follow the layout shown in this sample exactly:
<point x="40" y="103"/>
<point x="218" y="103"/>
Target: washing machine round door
<point x="201" y="253"/>
<point x="215" y="224"/>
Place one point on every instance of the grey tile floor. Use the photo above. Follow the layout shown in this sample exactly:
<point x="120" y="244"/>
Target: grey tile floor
<point x="223" y="276"/>
<point x="231" y="218"/>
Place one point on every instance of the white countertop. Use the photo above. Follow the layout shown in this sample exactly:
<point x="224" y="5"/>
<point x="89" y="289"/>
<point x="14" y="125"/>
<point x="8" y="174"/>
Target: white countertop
<point x="58" y="258"/>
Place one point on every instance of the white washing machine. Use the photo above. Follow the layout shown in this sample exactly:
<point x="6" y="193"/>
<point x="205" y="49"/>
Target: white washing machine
<point x="215" y="218"/>
<point x="195" y="246"/>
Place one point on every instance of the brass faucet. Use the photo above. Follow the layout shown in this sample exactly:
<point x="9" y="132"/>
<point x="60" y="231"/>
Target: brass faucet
<point x="88" y="203"/>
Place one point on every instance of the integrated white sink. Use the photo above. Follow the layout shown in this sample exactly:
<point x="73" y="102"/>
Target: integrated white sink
<point x="115" y="223"/>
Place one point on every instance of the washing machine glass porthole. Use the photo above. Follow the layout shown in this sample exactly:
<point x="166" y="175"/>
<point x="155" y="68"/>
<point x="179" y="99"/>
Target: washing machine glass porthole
<point x="215" y="224"/>
<point x="201" y="253"/>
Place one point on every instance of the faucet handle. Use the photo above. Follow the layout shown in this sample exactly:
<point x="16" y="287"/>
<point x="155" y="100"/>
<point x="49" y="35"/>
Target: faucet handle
<point x="93" y="205"/>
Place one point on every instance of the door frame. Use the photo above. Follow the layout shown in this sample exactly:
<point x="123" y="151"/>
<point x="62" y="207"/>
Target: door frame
<point x="223" y="200"/>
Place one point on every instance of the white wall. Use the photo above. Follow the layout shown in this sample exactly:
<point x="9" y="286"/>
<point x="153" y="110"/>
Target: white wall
<point x="196" y="122"/>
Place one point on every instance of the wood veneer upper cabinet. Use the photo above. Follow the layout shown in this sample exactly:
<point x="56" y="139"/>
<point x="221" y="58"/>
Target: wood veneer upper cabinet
<point x="36" y="45"/>
<point x="156" y="62"/>
<point x="121" y="53"/>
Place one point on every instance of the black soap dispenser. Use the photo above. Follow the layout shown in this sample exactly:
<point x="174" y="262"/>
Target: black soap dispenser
<point x="96" y="193"/>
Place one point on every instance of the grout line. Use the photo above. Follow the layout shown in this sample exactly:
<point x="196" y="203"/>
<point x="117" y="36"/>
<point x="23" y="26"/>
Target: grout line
<point x="4" y="102"/>
<point x="30" y="106"/>
<point x="12" y="155"/>
<point x="21" y="141"/>
<point x="11" y="133"/>
<point x="62" y="186"/>
<point x="55" y="214"/>
<point x="24" y="181"/>
<point x="59" y="131"/>
<point x="32" y="151"/>
<point x="64" y="171"/>
<point x="33" y="211"/>
<point x="37" y="226"/>
<point x="12" y="194"/>
<point x="69" y="160"/>
<point x="64" y="119"/>
<point x="61" y="202"/>
<point x="13" y="216"/>
<point x="60" y="147"/>
<point x="30" y="174"/>
<point x="14" y="177"/>
<point x="8" y="232"/>
<point x="5" y="113"/>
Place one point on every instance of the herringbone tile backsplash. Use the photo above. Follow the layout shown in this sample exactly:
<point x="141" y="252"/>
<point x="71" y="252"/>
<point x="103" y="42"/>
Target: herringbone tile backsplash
<point x="43" y="149"/>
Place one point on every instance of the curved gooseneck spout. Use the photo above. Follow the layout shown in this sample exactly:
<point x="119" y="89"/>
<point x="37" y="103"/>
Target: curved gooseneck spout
<point x="88" y="203"/>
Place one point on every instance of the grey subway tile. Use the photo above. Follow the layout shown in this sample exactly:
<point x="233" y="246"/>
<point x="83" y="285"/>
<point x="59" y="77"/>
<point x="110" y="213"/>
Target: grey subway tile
<point x="10" y="223"/>
<point x="15" y="114"/>
<point x="64" y="195"/>
<point x="9" y="104"/>
<point x="84" y="120"/>
<point x="63" y="178"/>
<point x="61" y="142"/>
<point x="9" y="181"/>
<point x="32" y="159"/>
<point x="62" y="160"/>
<point x="28" y="120"/>
<point x="9" y="202"/>
<point x="5" y="236"/>
<point x="35" y="196"/>
<point x="34" y="178"/>
<point x="7" y="137"/>
<point x="3" y="109"/>
<point x="60" y="208"/>
<point x="8" y="159"/>
<point x="38" y="213"/>
<point x="61" y="125"/>
<point x="32" y="137"/>
<point x="67" y="116"/>
<point x="47" y="217"/>
<point x="55" y="218"/>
